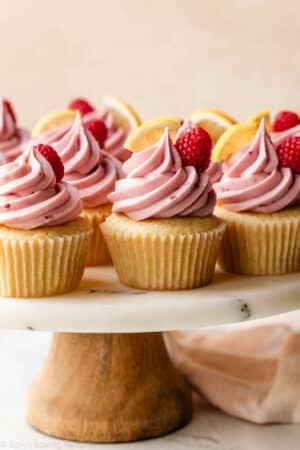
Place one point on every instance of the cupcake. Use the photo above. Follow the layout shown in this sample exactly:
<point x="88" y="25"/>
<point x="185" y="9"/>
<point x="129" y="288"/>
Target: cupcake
<point x="93" y="173"/>
<point x="162" y="234"/>
<point x="43" y="244"/>
<point x="13" y="139"/>
<point x="110" y="124"/>
<point x="258" y="196"/>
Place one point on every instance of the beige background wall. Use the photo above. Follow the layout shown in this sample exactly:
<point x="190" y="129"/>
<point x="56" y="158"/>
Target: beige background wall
<point x="165" y="56"/>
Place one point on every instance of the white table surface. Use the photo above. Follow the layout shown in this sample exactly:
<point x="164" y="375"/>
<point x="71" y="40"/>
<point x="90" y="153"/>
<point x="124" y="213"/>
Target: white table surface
<point x="22" y="355"/>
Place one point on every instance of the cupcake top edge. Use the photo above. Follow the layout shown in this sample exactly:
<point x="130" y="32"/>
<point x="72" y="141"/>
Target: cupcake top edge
<point x="261" y="176"/>
<point x="168" y="179"/>
<point x="32" y="194"/>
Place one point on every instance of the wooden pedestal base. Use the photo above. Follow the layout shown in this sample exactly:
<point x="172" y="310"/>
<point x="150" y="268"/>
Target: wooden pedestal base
<point x="108" y="388"/>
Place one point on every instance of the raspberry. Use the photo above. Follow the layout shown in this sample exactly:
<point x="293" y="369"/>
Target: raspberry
<point x="98" y="129"/>
<point x="10" y="110"/>
<point x="53" y="158"/>
<point x="285" y="120"/>
<point x="289" y="153"/>
<point x="83" y="106"/>
<point x="194" y="147"/>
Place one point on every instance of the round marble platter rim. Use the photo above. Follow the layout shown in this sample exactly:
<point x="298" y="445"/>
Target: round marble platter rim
<point x="103" y="305"/>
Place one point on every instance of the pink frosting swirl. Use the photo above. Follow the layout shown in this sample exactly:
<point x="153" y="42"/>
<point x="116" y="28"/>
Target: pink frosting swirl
<point x="30" y="197"/>
<point x="12" y="138"/>
<point x="92" y="171"/>
<point x="158" y="186"/>
<point x="254" y="181"/>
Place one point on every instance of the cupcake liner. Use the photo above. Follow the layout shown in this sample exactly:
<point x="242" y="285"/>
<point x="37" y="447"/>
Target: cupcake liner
<point x="261" y="244"/>
<point x="98" y="253"/>
<point x="157" y="261"/>
<point x="42" y="262"/>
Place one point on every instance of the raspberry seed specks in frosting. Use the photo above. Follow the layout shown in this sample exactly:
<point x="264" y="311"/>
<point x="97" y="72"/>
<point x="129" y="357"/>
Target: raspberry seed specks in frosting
<point x="254" y="180"/>
<point x="12" y="138"/>
<point x="30" y="196"/>
<point x="159" y="185"/>
<point x="92" y="171"/>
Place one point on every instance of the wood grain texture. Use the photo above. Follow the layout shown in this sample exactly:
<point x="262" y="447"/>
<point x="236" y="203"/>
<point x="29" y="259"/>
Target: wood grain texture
<point x="108" y="388"/>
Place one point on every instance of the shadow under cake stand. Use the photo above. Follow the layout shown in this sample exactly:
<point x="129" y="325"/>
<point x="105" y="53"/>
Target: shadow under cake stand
<point x="108" y="377"/>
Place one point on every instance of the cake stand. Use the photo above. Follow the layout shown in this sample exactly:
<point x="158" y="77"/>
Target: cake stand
<point x="108" y="377"/>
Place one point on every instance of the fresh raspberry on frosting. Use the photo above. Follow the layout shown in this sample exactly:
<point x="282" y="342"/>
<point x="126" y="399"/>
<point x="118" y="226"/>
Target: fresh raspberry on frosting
<point x="10" y="110"/>
<point x="194" y="147"/>
<point x="285" y="120"/>
<point x="53" y="158"/>
<point x="98" y="129"/>
<point x="82" y="105"/>
<point x="289" y="153"/>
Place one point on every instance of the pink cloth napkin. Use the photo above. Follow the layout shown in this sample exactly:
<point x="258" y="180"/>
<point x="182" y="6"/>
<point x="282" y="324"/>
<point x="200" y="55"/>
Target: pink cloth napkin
<point x="252" y="373"/>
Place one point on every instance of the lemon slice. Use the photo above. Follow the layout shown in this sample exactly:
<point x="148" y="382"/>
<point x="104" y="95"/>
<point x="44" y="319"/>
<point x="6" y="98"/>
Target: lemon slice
<point x="213" y="121"/>
<point x="234" y="138"/>
<point x="124" y="114"/>
<point x="150" y="132"/>
<point x="167" y="120"/>
<point x="262" y="114"/>
<point x="53" y="120"/>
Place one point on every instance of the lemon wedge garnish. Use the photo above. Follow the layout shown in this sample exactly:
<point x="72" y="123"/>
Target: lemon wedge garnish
<point x="124" y="114"/>
<point x="234" y="138"/>
<point x="150" y="132"/>
<point x="213" y="121"/>
<point x="53" y="120"/>
<point x="262" y="114"/>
